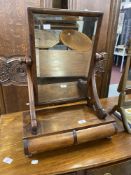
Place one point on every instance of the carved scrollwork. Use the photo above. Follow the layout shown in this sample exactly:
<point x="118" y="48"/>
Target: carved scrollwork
<point x="13" y="70"/>
<point x="101" y="60"/>
<point x="4" y="70"/>
<point x="100" y="67"/>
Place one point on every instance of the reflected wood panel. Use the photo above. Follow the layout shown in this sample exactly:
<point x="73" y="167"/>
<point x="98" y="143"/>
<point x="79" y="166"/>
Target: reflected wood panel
<point x="58" y="63"/>
<point x="46" y="39"/>
<point x="59" y="91"/>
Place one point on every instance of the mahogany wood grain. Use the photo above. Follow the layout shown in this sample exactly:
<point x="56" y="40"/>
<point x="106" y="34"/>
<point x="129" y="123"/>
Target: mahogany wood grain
<point x="31" y="102"/>
<point x="85" y="156"/>
<point x="64" y="119"/>
<point x="59" y="141"/>
<point x="96" y="133"/>
<point x="101" y="113"/>
<point x="51" y="142"/>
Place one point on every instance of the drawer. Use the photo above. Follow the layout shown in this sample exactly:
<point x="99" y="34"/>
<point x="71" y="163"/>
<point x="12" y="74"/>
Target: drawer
<point x="117" y="169"/>
<point x="123" y="168"/>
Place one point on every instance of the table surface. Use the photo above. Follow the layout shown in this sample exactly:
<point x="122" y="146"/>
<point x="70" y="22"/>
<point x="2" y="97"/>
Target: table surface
<point x="85" y="156"/>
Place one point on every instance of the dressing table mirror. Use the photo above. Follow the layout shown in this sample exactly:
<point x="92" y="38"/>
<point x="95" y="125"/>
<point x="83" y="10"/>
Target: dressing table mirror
<point x="62" y="53"/>
<point x="61" y="77"/>
<point x="64" y="105"/>
<point x="123" y="109"/>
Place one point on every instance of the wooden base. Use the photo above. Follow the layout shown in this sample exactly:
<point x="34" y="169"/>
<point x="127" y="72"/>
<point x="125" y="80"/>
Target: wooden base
<point x="65" y="126"/>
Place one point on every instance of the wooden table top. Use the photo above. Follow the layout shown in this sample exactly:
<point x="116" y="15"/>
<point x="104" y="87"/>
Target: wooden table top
<point x="86" y="156"/>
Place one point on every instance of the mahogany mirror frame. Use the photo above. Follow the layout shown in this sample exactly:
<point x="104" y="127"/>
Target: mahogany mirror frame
<point x="32" y="11"/>
<point x="93" y="99"/>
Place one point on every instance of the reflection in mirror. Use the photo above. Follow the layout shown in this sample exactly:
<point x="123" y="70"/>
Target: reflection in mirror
<point x="63" y="47"/>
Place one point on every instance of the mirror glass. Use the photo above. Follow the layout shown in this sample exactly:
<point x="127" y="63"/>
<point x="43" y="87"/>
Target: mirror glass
<point x="63" y="51"/>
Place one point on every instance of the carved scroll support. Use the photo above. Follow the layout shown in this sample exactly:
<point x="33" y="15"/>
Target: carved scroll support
<point x="31" y="103"/>
<point x="94" y="101"/>
<point x="99" y="68"/>
<point x="101" y="113"/>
